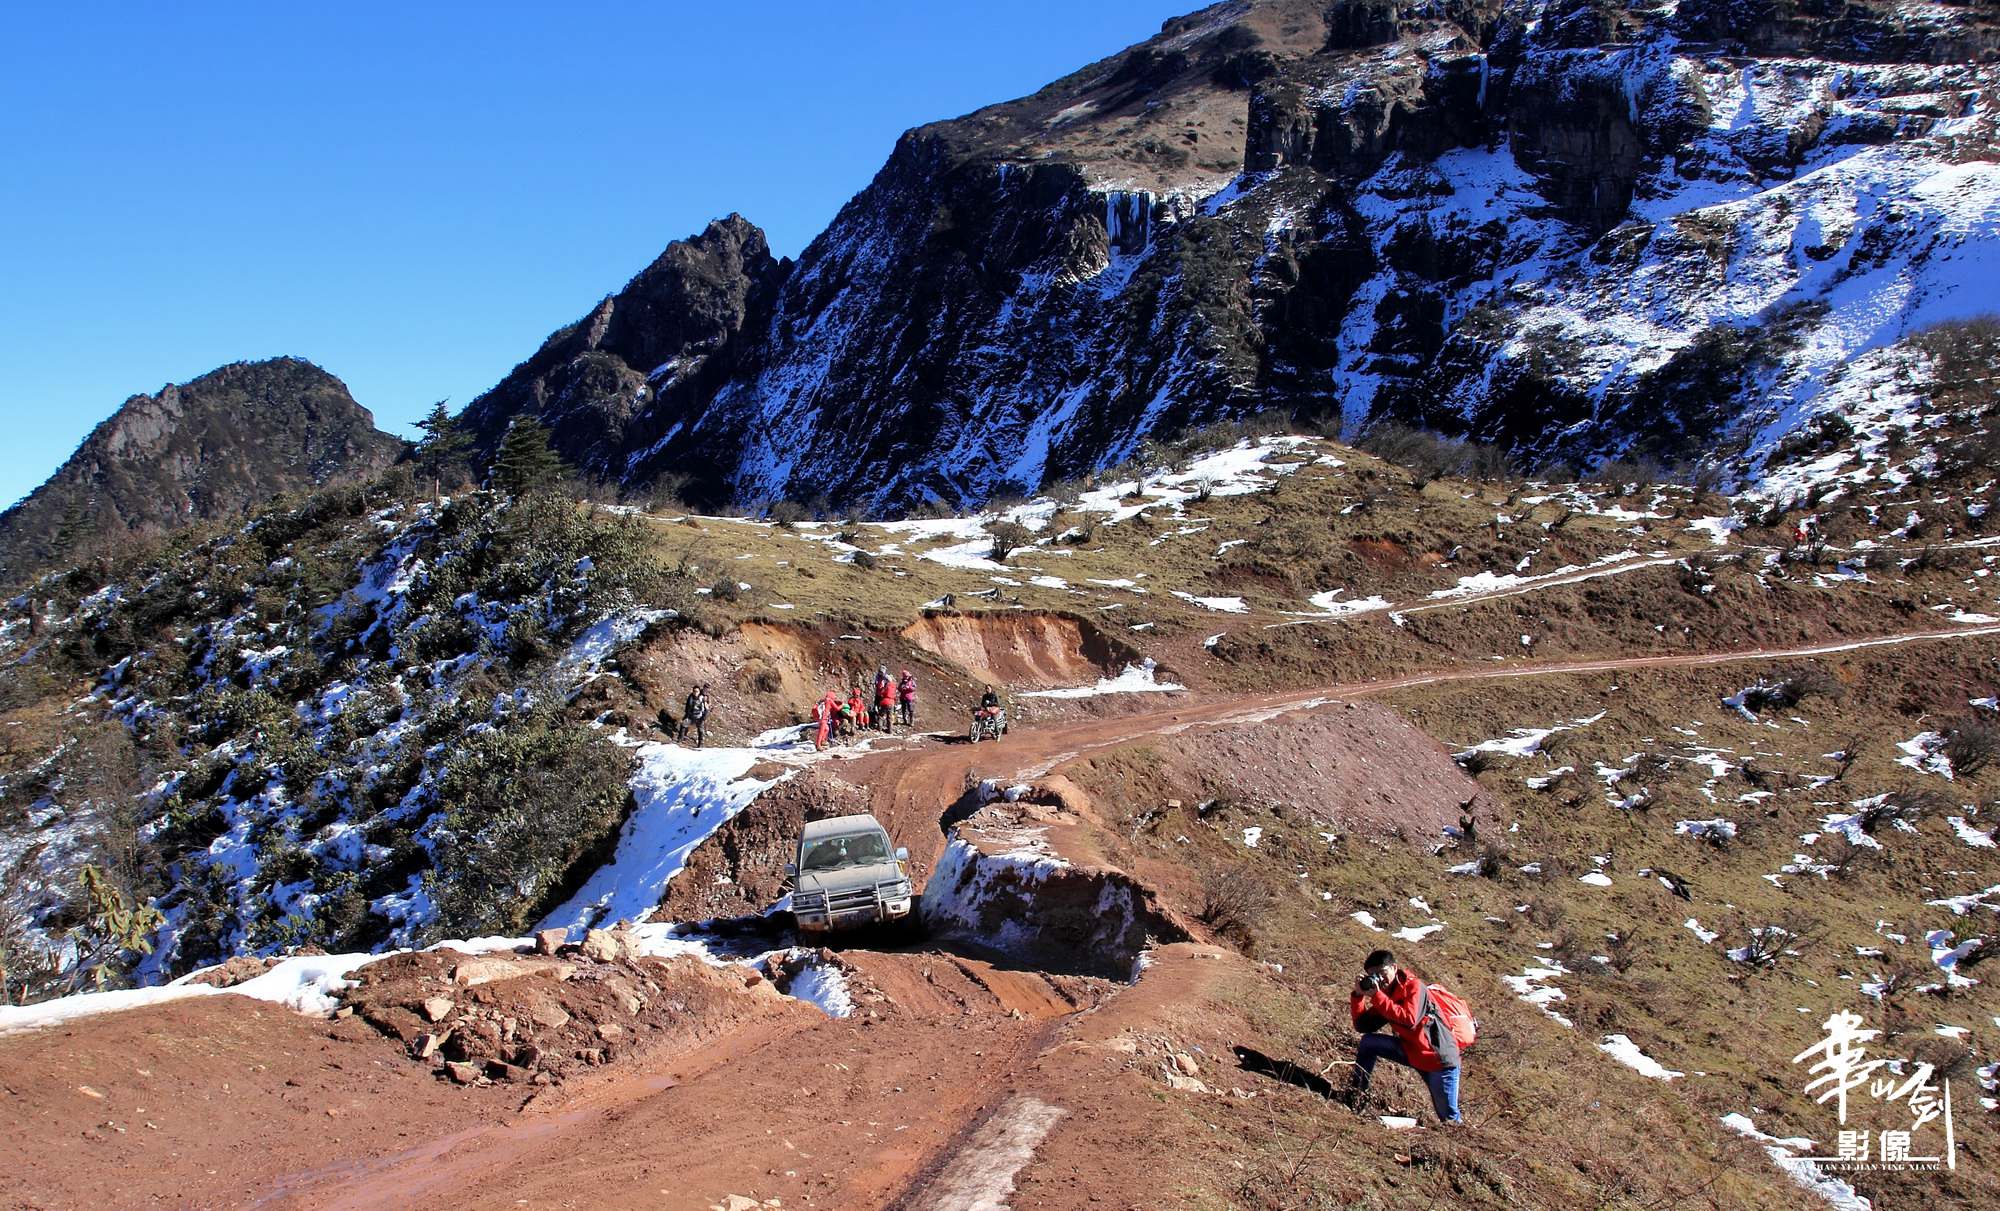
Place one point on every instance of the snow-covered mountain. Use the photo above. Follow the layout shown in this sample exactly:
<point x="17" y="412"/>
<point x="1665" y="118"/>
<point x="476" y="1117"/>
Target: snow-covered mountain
<point x="1581" y="228"/>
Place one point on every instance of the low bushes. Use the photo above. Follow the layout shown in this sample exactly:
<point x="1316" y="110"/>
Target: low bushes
<point x="523" y="806"/>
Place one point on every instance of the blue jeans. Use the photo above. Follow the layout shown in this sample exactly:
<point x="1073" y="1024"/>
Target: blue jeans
<point x="1443" y="1083"/>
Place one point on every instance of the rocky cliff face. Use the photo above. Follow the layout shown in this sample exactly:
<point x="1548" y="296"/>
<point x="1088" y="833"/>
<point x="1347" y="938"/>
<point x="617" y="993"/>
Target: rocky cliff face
<point x="1582" y="228"/>
<point x="207" y="449"/>
<point x="661" y="347"/>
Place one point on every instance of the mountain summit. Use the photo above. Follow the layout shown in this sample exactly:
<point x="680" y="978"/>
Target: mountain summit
<point x="211" y="448"/>
<point x="1582" y="228"/>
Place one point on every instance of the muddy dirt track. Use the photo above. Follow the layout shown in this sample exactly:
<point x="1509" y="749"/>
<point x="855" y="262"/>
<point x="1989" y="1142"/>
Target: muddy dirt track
<point x="956" y="1083"/>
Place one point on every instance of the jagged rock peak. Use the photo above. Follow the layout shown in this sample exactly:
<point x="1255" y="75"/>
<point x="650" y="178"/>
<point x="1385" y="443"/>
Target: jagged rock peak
<point x="668" y="336"/>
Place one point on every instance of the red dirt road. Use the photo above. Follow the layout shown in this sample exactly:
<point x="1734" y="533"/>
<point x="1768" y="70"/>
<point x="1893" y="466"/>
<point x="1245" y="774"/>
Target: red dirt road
<point x="225" y="1102"/>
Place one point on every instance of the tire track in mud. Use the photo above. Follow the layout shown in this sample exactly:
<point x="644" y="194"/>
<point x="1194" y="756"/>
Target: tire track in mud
<point x="979" y="1172"/>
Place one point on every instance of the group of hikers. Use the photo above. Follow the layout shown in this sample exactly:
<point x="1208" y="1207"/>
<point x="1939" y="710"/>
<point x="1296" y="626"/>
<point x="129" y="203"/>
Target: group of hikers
<point x="889" y="703"/>
<point x="840" y="714"/>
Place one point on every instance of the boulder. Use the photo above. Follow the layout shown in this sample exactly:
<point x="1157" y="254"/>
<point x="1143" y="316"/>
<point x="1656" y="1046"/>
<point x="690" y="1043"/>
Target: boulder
<point x="425" y="1046"/>
<point x="626" y="994"/>
<point x="437" y="1009"/>
<point x="486" y="969"/>
<point x="601" y="945"/>
<point x="1184" y="1084"/>
<point x="549" y="941"/>
<point x="232" y="972"/>
<point x="474" y="1039"/>
<point x="548" y="1015"/>
<point x="461" y="1072"/>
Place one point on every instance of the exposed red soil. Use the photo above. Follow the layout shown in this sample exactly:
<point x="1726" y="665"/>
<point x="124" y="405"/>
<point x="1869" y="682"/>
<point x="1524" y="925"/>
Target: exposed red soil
<point x="207" y="1102"/>
<point x="1020" y="648"/>
<point x="836" y="1113"/>
<point x="764" y="675"/>
<point x="815" y="1111"/>
<point x="1363" y="767"/>
<point x="742" y="868"/>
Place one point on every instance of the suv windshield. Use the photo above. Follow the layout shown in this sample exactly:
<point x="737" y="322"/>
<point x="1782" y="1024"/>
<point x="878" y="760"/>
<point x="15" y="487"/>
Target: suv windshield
<point x="854" y="849"/>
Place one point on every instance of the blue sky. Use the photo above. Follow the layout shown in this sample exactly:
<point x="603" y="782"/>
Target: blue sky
<point x="413" y="196"/>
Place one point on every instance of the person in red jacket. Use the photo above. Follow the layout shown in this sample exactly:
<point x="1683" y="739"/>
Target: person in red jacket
<point x="824" y="713"/>
<point x="885" y="701"/>
<point x="1386" y="995"/>
<point x="857" y="706"/>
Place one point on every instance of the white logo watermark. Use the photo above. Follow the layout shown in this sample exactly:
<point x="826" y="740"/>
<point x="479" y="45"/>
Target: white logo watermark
<point x="1841" y="1066"/>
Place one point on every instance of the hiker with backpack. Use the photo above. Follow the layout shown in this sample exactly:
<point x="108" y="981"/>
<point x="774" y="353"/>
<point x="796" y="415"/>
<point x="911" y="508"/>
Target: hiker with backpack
<point x="694" y="715"/>
<point x="906" y="697"/>
<point x="884" y="717"/>
<point x="1429" y="1029"/>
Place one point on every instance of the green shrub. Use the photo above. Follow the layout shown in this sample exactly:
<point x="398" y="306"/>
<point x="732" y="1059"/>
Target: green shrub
<point x="527" y="807"/>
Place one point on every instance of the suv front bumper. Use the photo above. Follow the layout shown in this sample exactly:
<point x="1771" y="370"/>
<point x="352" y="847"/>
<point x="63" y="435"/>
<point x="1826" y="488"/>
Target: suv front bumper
<point x="820" y="920"/>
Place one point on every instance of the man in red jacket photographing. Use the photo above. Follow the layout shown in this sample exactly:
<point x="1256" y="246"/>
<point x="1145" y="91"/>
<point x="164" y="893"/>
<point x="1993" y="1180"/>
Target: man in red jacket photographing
<point x="1428" y="1027"/>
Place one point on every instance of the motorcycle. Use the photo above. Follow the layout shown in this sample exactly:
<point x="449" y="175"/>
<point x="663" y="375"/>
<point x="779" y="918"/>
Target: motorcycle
<point x="988" y="723"/>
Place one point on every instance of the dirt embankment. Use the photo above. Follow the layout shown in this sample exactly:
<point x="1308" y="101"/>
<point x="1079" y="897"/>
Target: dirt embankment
<point x="1069" y="872"/>
<point x="1354" y="766"/>
<point x="1053" y="914"/>
<point x="760" y="675"/>
<point x="764" y="675"/>
<point x="741" y="869"/>
<point x="1022" y="649"/>
<point x="541" y="1018"/>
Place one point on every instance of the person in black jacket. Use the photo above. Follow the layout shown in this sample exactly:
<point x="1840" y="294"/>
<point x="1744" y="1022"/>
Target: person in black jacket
<point x="695" y="715"/>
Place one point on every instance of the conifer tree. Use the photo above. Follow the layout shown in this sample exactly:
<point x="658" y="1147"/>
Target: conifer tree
<point x="443" y="445"/>
<point x="526" y="463"/>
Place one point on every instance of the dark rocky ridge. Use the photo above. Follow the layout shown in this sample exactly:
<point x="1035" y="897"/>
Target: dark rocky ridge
<point x="212" y="448"/>
<point x="606" y="384"/>
<point x="1419" y="209"/>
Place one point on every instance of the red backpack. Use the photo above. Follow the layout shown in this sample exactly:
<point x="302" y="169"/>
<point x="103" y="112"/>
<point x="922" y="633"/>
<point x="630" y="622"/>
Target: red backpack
<point x="1456" y="1015"/>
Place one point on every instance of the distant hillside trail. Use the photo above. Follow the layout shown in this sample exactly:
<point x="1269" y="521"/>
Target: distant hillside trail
<point x="907" y="782"/>
<point x="821" y="1112"/>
